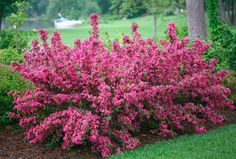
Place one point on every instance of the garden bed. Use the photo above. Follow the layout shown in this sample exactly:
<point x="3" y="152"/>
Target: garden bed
<point x="13" y="146"/>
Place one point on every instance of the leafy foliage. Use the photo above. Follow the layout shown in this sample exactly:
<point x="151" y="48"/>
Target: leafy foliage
<point x="88" y="94"/>
<point x="9" y="55"/>
<point x="229" y="81"/>
<point x="222" y="39"/>
<point x="37" y="8"/>
<point x="15" y="39"/>
<point x="104" y="6"/>
<point x="16" y="20"/>
<point x="7" y="7"/>
<point x="73" y="9"/>
<point x="128" y="8"/>
<point x="9" y="80"/>
<point x="156" y="6"/>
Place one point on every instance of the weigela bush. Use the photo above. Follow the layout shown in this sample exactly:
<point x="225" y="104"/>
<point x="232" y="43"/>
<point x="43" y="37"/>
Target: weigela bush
<point x="86" y="94"/>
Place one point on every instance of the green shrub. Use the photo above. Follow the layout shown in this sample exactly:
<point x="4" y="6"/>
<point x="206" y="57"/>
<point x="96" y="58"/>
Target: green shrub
<point x="9" y="80"/>
<point x="230" y="82"/>
<point x="182" y="31"/>
<point x="9" y="55"/>
<point x="222" y="40"/>
<point x="15" y="39"/>
<point x="224" y="50"/>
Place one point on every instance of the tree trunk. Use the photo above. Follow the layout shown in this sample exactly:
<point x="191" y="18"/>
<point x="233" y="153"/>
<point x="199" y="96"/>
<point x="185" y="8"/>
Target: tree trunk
<point x="226" y="9"/>
<point x="221" y="11"/>
<point x="196" y="19"/>
<point x="1" y="21"/>
<point x="154" y="26"/>
<point x="232" y="13"/>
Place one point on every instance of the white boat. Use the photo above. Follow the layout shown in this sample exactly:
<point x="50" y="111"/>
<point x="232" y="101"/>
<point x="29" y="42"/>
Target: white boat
<point x="63" y="23"/>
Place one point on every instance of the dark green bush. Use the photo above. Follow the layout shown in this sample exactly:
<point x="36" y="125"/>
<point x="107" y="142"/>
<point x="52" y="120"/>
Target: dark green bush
<point x="169" y="11"/>
<point x="9" y="80"/>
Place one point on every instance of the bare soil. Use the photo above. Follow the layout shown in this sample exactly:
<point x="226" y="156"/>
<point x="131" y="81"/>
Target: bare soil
<point x="12" y="145"/>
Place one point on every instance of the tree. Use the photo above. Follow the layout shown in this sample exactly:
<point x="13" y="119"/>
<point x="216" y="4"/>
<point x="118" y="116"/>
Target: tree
<point x="116" y="6"/>
<point x="104" y="5"/>
<point x="38" y="8"/>
<point x="6" y="8"/>
<point x="128" y="8"/>
<point x="72" y="8"/>
<point x="221" y="11"/>
<point x="155" y="7"/>
<point x="16" y="20"/>
<point x="177" y="4"/>
<point x="230" y="11"/>
<point x="196" y="19"/>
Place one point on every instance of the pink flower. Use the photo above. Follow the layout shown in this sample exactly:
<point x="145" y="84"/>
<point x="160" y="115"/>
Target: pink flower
<point x="134" y="27"/>
<point x="13" y="115"/>
<point x="200" y="129"/>
<point x="94" y="24"/>
<point x="43" y="34"/>
<point x="93" y="138"/>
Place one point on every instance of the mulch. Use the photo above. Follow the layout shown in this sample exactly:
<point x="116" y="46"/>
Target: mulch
<point x="12" y="145"/>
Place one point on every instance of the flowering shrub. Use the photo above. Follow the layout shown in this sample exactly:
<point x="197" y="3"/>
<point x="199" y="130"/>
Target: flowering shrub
<point x="87" y="94"/>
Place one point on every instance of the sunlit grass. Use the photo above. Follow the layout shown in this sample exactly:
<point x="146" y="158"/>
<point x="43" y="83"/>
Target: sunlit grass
<point x="116" y="28"/>
<point x="216" y="144"/>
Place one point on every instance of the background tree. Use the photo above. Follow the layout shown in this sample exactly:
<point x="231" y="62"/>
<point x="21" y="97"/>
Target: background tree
<point x="221" y="11"/>
<point x="196" y="19"/>
<point x="104" y="6"/>
<point x="178" y="5"/>
<point x="116" y="6"/>
<point x="128" y="8"/>
<point x="72" y="8"/>
<point x="16" y="20"/>
<point x="155" y="7"/>
<point x="37" y="8"/>
<point x="229" y="11"/>
<point x="6" y="8"/>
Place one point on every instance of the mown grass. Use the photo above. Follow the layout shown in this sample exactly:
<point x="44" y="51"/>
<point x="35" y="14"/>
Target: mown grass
<point x="233" y="28"/>
<point x="116" y="28"/>
<point x="216" y="144"/>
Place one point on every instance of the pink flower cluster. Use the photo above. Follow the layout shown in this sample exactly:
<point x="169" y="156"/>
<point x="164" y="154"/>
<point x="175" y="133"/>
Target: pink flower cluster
<point x="88" y="94"/>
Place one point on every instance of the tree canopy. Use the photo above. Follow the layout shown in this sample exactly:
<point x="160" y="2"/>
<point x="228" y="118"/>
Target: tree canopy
<point x="7" y="7"/>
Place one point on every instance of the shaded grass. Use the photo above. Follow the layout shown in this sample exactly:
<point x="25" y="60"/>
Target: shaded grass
<point x="216" y="144"/>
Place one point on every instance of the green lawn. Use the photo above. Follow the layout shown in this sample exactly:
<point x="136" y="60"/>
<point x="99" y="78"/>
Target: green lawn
<point x="116" y="28"/>
<point x="217" y="144"/>
<point x="233" y="29"/>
